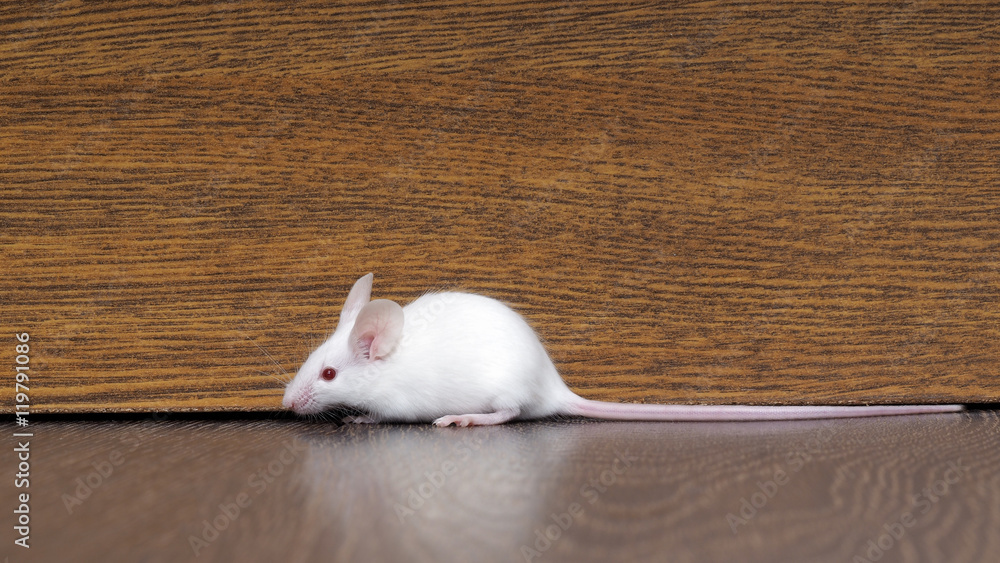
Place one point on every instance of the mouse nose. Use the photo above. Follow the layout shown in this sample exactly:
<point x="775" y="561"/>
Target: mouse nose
<point x="298" y="399"/>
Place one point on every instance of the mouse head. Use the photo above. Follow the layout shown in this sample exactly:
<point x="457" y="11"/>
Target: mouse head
<point x="340" y="370"/>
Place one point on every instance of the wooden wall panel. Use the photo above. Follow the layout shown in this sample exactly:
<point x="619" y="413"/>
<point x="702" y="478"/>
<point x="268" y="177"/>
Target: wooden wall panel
<point x="786" y="202"/>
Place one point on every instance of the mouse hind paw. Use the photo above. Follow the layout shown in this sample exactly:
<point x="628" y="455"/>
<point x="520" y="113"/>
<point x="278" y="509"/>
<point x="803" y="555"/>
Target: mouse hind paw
<point x="487" y="419"/>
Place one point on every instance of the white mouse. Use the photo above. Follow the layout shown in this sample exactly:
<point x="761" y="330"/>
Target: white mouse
<point x="465" y="359"/>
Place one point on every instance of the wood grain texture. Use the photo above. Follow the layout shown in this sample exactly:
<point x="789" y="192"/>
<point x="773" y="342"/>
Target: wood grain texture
<point x="791" y="202"/>
<point x="316" y="492"/>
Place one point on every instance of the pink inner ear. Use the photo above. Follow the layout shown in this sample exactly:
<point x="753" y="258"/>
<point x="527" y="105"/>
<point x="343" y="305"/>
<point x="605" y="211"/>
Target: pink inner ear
<point x="377" y="330"/>
<point x="365" y="344"/>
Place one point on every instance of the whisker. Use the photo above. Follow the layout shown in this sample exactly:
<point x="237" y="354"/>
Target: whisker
<point x="268" y="355"/>
<point x="283" y="382"/>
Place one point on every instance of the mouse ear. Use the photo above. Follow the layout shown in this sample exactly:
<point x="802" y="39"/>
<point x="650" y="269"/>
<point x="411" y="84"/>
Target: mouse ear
<point x="359" y="296"/>
<point x="377" y="330"/>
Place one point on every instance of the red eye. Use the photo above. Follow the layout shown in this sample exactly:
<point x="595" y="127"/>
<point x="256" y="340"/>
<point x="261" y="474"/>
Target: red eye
<point x="329" y="374"/>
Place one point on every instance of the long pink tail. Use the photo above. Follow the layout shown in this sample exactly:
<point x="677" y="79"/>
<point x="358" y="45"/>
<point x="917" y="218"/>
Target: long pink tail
<point x="633" y="411"/>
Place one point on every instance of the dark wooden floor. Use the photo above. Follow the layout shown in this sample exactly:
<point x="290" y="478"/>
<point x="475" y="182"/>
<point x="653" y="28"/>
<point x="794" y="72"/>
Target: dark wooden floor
<point x="678" y="492"/>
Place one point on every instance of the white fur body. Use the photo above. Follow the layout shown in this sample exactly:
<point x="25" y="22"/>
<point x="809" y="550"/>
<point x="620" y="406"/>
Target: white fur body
<point x="460" y="358"/>
<point x="462" y="353"/>
<point x="458" y="353"/>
